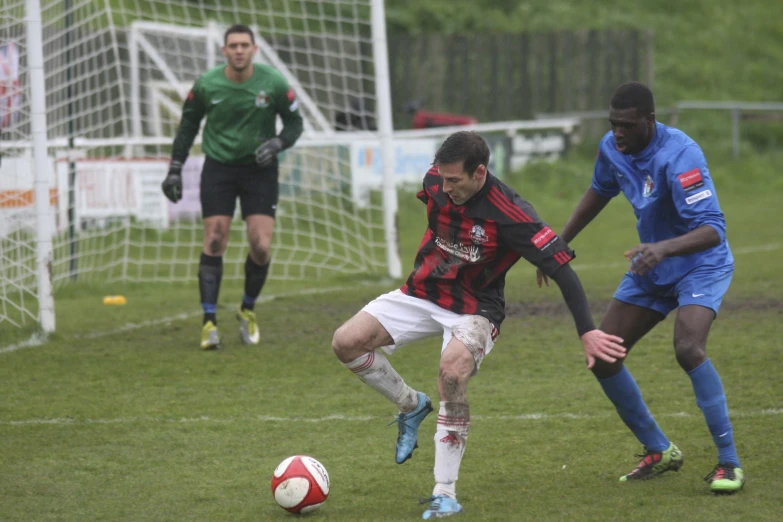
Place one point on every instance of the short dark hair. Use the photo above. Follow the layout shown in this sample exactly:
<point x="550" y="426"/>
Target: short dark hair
<point x="634" y="95"/>
<point x="466" y="147"/>
<point x="239" y="29"/>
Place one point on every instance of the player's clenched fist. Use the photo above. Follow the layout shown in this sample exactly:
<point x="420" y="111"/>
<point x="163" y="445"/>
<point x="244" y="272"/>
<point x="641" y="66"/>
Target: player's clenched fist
<point x="266" y="154"/>
<point x="644" y="257"/>
<point x="172" y="185"/>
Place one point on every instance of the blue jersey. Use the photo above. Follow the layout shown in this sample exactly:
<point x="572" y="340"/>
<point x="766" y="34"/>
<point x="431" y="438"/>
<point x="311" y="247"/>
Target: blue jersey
<point x="671" y="191"/>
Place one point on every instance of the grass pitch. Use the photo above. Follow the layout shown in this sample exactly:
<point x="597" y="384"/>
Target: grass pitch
<point x="121" y="417"/>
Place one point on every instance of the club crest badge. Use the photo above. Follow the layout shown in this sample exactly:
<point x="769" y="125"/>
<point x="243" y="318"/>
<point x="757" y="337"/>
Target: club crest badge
<point x="262" y="100"/>
<point x="649" y="185"/>
<point x="478" y="235"/>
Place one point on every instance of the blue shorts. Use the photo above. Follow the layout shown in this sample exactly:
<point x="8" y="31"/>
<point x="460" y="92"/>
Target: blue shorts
<point x="700" y="287"/>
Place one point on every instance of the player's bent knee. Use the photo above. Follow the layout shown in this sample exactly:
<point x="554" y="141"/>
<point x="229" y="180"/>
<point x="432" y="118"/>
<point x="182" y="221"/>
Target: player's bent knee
<point x="347" y="345"/>
<point x="603" y="370"/>
<point x="689" y="354"/>
<point x="340" y="343"/>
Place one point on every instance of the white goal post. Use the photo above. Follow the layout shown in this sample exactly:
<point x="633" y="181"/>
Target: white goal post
<point x="90" y="94"/>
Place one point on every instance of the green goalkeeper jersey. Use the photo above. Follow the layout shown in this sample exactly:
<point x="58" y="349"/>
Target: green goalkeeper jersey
<point x="240" y="116"/>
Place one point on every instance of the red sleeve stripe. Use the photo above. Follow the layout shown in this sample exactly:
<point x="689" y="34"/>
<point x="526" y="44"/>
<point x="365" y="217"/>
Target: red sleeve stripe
<point x="507" y="207"/>
<point x="562" y="257"/>
<point x="433" y="171"/>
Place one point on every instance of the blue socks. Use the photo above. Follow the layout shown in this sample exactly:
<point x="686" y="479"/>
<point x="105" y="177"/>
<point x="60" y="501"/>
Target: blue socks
<point x="210" y="311"/>
<point x="624" y="393"/>
<point x="712" y="401"/>
<point x="248" y="303"/>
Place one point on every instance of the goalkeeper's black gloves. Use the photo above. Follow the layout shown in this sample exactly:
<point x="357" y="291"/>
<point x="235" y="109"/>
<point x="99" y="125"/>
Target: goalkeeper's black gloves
<point x="266" y="154"/>
<point x="172" y="185"/>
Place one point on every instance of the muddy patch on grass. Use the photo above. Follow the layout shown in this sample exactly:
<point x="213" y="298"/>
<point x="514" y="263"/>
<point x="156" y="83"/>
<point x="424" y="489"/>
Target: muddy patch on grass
<point x="752" y="305"/>
<point x="341" y="310"/>
<point x="549" y="309"/>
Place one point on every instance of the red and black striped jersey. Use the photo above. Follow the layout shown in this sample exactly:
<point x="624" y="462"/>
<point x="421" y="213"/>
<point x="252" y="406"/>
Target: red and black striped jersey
<point x="467" y="250"/>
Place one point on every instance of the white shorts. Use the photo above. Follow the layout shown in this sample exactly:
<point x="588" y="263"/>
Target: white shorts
<point x="409" y="319"/>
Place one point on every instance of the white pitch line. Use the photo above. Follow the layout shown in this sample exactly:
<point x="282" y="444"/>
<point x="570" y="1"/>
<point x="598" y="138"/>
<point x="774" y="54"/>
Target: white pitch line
<point x="758" y="248"/>
<point x="37" y="340"/>
<point x="183" y="316"/>
<point x="68" y="421"/>
<point x="135" y="326"/>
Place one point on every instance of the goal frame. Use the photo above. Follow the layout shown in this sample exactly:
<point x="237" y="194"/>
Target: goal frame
<point x="317" y="125"/>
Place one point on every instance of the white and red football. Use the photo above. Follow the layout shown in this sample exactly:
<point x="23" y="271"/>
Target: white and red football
<point x="300" y="484"/>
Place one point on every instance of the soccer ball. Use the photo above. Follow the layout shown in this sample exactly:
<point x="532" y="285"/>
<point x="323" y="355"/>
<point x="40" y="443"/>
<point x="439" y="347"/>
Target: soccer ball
<point x="300" y="484"/>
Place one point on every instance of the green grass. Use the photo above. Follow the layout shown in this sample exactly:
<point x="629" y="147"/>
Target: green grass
<point x="112" y="420"/>
<point x="139" y="424"/>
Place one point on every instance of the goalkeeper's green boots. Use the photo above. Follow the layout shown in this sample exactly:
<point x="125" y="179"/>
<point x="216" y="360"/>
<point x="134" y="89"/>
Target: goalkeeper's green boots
<point x="726" y="479"/>
<point x="248" y="326"/>
<point x="654" y="463"/>
<point x="210" y="339"/>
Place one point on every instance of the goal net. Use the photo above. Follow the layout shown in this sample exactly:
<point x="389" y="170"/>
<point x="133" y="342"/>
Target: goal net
<point x="116" y="75"/>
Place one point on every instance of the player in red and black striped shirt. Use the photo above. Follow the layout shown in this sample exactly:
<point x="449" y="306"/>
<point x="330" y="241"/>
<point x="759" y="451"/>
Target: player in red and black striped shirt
<point x="473" y="240"/>
<point x="478" y="228"/>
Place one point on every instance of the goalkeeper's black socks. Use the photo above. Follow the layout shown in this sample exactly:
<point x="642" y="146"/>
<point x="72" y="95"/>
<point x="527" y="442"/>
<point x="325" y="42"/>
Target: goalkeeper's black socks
<point x="255" y="277"/>
<point x="210" y="272"/>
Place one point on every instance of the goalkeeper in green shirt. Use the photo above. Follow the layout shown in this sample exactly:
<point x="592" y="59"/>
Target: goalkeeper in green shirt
<point x="241" y="101"/>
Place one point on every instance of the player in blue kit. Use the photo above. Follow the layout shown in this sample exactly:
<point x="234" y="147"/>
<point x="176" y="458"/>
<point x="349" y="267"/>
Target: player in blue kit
<point x="683" y="262"/>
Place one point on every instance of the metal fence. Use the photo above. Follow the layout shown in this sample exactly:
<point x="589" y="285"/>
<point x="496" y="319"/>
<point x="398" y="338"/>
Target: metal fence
<point x="739" y="111"/>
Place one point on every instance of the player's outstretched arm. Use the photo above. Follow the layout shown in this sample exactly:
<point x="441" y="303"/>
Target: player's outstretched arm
<point x="596" y="343"/>
<point x="586" y="210"/>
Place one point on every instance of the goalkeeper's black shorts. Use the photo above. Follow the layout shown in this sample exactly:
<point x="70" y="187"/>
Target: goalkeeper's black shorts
<point x="222" y="184"/>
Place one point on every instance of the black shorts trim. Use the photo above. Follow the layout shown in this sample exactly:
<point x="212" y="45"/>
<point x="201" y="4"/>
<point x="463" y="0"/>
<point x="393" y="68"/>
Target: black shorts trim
<point x="221" y="185"/>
